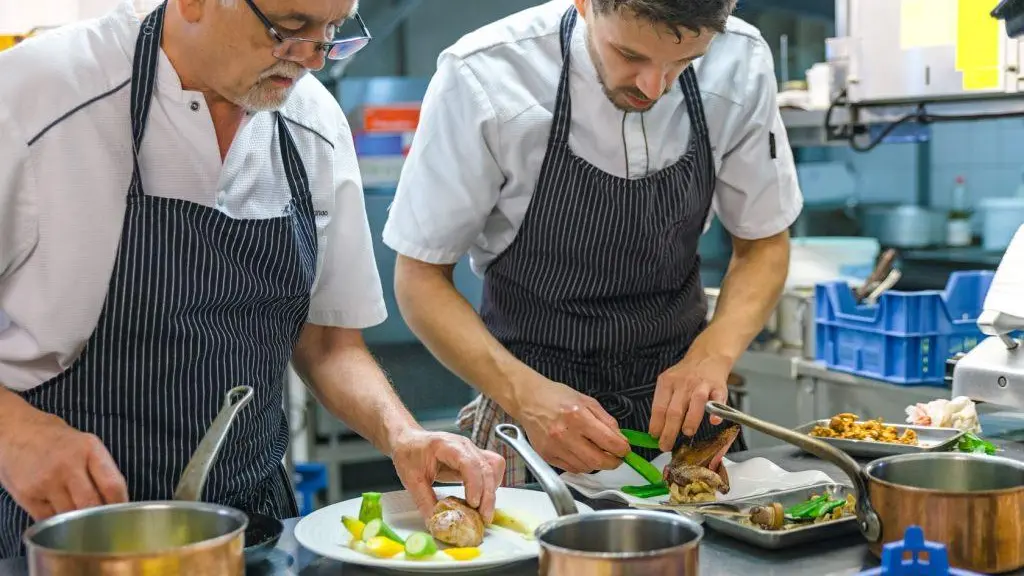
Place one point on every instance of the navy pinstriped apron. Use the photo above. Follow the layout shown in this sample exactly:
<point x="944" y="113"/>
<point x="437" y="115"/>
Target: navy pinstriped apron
<point x="198" y="303"/>
<point x="601" y="288"/>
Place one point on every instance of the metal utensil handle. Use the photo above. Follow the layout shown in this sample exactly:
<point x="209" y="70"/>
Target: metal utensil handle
<point x="193" y="479"/>
<point x="870" y="525"/>
<point x="890" y="281"/>
<point x="552" y="484"/>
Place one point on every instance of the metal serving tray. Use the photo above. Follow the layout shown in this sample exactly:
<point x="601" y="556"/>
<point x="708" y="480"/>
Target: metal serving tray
<point x="778" y="539"/>
<point x="929" y="439"/>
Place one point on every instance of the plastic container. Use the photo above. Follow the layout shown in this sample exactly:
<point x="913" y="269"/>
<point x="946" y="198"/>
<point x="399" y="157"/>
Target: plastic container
<point x="310" y="478"/>
<point x="894" y="562"/>
<point x="1001" y="219"/>
<point x="907" y="337"/>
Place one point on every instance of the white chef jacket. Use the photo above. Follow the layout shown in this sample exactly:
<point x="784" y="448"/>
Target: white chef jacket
<point x="65" y="166"/>
<point x="486" y="117"/>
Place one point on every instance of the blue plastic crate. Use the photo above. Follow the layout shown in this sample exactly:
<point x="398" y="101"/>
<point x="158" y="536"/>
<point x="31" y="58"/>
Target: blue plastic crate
<point x="913" y="543"/>
<point x="905" y="338"/>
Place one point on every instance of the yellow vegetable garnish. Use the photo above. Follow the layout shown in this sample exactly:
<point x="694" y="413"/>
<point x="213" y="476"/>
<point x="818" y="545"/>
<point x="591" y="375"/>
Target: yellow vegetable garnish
<point x="382" y="547"/>
<point x="462" y="553"/>
<point x="354" y="526"/>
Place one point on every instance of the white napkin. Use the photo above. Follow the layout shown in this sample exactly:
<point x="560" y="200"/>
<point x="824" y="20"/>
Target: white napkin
<point x="755" y="477"/>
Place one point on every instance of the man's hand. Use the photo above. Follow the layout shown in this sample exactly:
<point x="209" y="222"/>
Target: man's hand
<point x="422" y="458"/>
<point x="49" y="467"/>
<point x="571" y="430"/>
<point x="682" y="394"/>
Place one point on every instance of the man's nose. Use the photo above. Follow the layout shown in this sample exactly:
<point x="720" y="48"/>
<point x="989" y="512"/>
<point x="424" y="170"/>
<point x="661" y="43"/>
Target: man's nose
<point x="651" y="83"/>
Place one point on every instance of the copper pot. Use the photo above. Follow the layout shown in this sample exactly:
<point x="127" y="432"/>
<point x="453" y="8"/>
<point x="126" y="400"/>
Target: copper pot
<point x="608" y="542"/>
<point x="972" y="504"/>
<point x="180" y="536"/>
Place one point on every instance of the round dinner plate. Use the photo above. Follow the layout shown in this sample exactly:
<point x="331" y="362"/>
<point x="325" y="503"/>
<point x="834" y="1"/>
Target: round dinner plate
<point x="322" y="532"/>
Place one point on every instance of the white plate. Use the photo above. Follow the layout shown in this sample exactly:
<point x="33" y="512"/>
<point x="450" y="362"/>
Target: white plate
<point x="753" y="477"/>
<point x="321" y="532"/>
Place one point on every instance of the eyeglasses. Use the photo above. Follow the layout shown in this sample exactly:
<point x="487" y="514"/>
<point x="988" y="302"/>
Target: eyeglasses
<point x="335" y="49"/>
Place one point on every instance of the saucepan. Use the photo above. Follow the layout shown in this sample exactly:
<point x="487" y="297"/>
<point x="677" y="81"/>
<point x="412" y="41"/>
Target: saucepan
<point x="607" y="542"/>
<point x="973" y="504"/>
<point x="179" y="536"/>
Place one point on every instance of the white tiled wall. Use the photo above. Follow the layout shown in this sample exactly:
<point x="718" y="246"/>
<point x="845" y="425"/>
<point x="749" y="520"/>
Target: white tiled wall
<point x="988" y="154"/>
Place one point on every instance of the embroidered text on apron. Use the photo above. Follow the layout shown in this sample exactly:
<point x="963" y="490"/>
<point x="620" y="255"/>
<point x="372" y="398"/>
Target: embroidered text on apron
<point x="197" y="304"/>
<point x="601" y="288"/>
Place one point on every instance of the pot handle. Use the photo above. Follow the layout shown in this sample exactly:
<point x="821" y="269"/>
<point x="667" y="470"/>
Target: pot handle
<point x="193" y="479"/>
<point x="870" y="525"/>
<point x="552" y="484"/>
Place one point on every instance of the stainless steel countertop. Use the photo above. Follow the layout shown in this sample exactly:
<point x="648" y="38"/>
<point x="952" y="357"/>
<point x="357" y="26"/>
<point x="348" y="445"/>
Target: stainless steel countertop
<point x="719" y="554"/>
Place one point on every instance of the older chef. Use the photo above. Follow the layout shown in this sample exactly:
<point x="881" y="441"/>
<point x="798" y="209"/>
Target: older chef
<point x="577" y="152"/>
<point x="180" y="213"/>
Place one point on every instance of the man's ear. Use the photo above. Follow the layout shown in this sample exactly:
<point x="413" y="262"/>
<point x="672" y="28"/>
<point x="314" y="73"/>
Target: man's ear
<point x="581" y="7"/>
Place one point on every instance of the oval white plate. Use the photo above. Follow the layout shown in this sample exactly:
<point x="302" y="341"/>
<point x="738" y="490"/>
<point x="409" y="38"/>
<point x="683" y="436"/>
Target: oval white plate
<point x="321" y="532"/>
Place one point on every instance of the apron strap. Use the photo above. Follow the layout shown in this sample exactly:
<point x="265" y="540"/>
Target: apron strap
<point x="563" y="104"/>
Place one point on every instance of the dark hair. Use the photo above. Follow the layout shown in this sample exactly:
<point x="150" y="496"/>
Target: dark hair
<point x="694" y="15"/>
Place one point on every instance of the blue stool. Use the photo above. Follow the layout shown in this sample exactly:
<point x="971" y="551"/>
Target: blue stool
<point x="310" y="478"/>
<point x="913" y="541"/>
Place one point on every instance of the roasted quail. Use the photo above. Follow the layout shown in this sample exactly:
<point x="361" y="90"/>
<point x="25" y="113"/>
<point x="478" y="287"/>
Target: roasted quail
<point x="689" y="476"/>
<point x="455" y="522"/>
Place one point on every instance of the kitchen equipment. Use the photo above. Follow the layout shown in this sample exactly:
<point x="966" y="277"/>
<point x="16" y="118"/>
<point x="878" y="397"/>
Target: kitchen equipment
<point x="904" y="226"/>
<point x="608" y="542"/>
<point x="822" y="259"/>
<point x="779" y="539"/>
<point x="993" y="371"/>
<point x="883" y="287"/>
<point x="1001" y="218"/>
<point x="929" y="439"/>
<point x="881" y="271"/>
<point x="261" y="537"/>
<point x="795" y="320"/>
<point x="968" y="502"/>
<point x="182" y="536"/>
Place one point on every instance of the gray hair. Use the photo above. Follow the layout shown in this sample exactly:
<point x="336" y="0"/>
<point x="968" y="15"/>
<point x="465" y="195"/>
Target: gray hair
<point x="694" y="15"/>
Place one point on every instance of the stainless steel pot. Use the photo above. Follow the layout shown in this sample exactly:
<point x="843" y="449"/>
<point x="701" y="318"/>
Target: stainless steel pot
<point x="607" y="542"/>
<point x="180" y="536"/>
<point x="972" y="504"/>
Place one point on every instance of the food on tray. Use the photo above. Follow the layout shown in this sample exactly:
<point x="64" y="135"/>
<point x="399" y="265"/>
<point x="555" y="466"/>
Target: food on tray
<point x="974" y="445"/>
<point x="515" y="523"/>
<point x="373" y="536"/>
<point x="818" y="509"/>
<point x="455" y="522"/>
<point x="647" y="490"/>
<point x="846" y="427"/>
<point x="689" y="476"/>
<point x="959" y="413"/>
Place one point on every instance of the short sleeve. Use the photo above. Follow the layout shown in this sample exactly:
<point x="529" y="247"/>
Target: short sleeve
<point x="450" y="182"/>
<point x="348" y="293"/>
<point x="18" y="218"/>
<point x="757" y="193"/>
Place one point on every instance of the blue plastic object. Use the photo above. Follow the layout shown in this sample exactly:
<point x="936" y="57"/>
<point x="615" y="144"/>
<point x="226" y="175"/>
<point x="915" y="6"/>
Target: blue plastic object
<point x="894" y="563"/>
<point x="907" y="337"/>
<point x="310" y="478"/>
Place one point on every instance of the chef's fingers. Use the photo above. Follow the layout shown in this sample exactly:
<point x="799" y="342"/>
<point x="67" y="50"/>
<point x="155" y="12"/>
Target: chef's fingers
<point x="60" y="500"/>
<point x="563" y="465"/>
<point x="719" y="395"/>
<point x="489" y="489"/>
<point x="460" y="455"/>
<point x="662" y="397"/>
<point x="605" y="437"/>
<point x="569" y="459"/>
<point x="592" y="457"/>
<point x="607" y="419"/>
<point x="422" y="494"/>
<point x="697" y="402"/>
<point x="106" y="476"/>
<point x="83" y="492"/>
<point x="675" y="411"/>
<point x="39" y="509"/>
